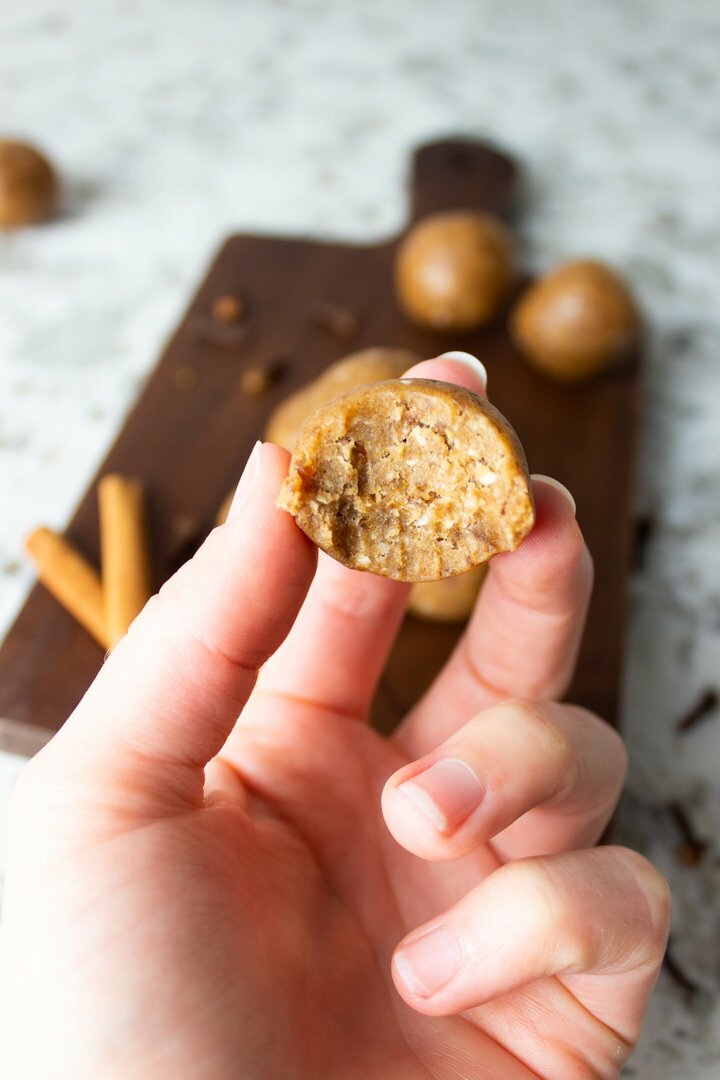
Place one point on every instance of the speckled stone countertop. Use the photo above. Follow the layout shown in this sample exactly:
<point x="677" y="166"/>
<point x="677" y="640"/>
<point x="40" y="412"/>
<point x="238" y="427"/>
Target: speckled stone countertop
<point x="176" y="123"/>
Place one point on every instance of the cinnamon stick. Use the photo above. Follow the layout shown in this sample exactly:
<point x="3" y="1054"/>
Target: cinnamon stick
<point x="125" y="557"/>
<point x="71" y="579"/>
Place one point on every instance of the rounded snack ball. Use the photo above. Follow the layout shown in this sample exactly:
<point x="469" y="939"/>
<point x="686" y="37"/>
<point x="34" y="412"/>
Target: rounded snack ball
<point x="454" y="271"/>
<point x="411" y="479"/>
<point x="28" y="185"/>
<point x="576" y="321"/>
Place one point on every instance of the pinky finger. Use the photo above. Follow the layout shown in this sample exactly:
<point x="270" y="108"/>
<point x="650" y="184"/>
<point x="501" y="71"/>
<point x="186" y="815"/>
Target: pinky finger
<point x="597" y="919"/>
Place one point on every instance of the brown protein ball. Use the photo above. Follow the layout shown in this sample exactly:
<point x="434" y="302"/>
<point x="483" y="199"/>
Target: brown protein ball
<point x="576" y="321"/>
<point x="412" y="479"/>
<point x="454" y="271"/>
<point x="448" y="600"/>
<point x="28" y="185"/>
<point x="357" y="369"/>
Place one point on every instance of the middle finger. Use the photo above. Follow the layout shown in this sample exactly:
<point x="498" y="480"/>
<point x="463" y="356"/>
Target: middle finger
<point x="524" y="635"/>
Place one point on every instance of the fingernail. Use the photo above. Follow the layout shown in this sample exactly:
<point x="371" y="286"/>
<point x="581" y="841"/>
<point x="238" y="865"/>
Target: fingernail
<point x="471" y="362"/>
<point x="252" y="467"/>
<point x="428" y="962"/>
<point x="446" y="793"/>
<point x="553" y="483"/>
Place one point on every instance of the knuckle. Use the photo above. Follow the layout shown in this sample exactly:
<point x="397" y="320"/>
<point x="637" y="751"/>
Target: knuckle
<point x="556" y="916"/>
<point x="530" y="877"/>
<point x="537" y="721"/>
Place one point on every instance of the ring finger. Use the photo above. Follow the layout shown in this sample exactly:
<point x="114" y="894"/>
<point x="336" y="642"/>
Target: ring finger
<point x="524" y="635"/>
<point x="531" y="778"/>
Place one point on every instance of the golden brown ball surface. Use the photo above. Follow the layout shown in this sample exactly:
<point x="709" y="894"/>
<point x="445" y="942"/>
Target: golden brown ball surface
<point x="449" y="600"/>
<point x="576" y="321"/>
<point x="454" y="271"/>
<point x="28" y="185"/>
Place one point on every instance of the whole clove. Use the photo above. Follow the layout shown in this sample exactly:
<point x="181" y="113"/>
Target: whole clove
<point x="705" y="705"/>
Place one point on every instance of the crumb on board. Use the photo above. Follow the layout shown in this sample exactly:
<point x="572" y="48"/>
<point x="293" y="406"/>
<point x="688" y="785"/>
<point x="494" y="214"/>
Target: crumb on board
<point x="337" y="319"/>
<point x="228" y="308"/>
<point x="257" y="380"/>
<point x="185" y="378"/>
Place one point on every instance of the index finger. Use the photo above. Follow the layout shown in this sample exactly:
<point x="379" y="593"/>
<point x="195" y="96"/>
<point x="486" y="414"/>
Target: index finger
<point x="171" y="691"/>
<point x="525" y="632"/>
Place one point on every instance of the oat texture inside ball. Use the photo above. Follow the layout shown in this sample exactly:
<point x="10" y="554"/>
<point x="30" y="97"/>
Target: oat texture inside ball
<point x="411" y="479"/>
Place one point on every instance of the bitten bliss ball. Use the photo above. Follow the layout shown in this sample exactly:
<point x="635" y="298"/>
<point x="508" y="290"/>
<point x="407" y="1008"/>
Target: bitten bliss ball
<point x="411" y="479"/>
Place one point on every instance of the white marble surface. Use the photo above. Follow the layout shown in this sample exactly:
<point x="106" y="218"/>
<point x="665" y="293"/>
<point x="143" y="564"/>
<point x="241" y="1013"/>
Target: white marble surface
<point x="176" y="122"/>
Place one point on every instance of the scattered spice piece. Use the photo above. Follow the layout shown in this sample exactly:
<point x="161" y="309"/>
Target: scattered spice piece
<point x="689" y="855"/>
<point x="339" y="321"/>
<point x="706" y="704"/>
<point x="692" y="847"/>
<point x="645" y="527"/>
<point x="676" y="973"/>
<point x="228" y="309"/>
<point x="256" y="380"/>
<point x="185" y="378"/>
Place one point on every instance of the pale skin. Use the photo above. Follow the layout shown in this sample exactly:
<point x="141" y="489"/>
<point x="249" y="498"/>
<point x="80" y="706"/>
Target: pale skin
<point x="191" y="894"/>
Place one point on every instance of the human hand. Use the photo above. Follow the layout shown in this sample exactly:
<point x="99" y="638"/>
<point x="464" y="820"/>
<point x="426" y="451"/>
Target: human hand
<point x="194" y="895"/>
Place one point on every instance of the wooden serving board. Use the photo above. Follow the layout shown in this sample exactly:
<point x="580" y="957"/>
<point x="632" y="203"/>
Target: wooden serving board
<point x="193" y="427"/>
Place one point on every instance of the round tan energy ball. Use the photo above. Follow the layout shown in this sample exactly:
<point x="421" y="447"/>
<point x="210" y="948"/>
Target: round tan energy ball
<point x="454" y="271"/>
<point x="576" y="321"/>
<point x="28" y="185"/>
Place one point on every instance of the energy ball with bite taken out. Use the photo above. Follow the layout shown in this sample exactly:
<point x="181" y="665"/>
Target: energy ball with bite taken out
<point x="447" y="600"/>
<point x="411" y="479"/>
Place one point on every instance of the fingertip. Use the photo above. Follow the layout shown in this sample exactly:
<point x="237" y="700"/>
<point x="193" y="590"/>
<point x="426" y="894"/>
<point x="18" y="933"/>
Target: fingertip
<point x="427" y="805"/>
<point x="542" y="482"/>
<point x="425" y="962"/>
<point x="458" y="368"/>
<point x="265" y="477"/>
<point x="554" y="551"/>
